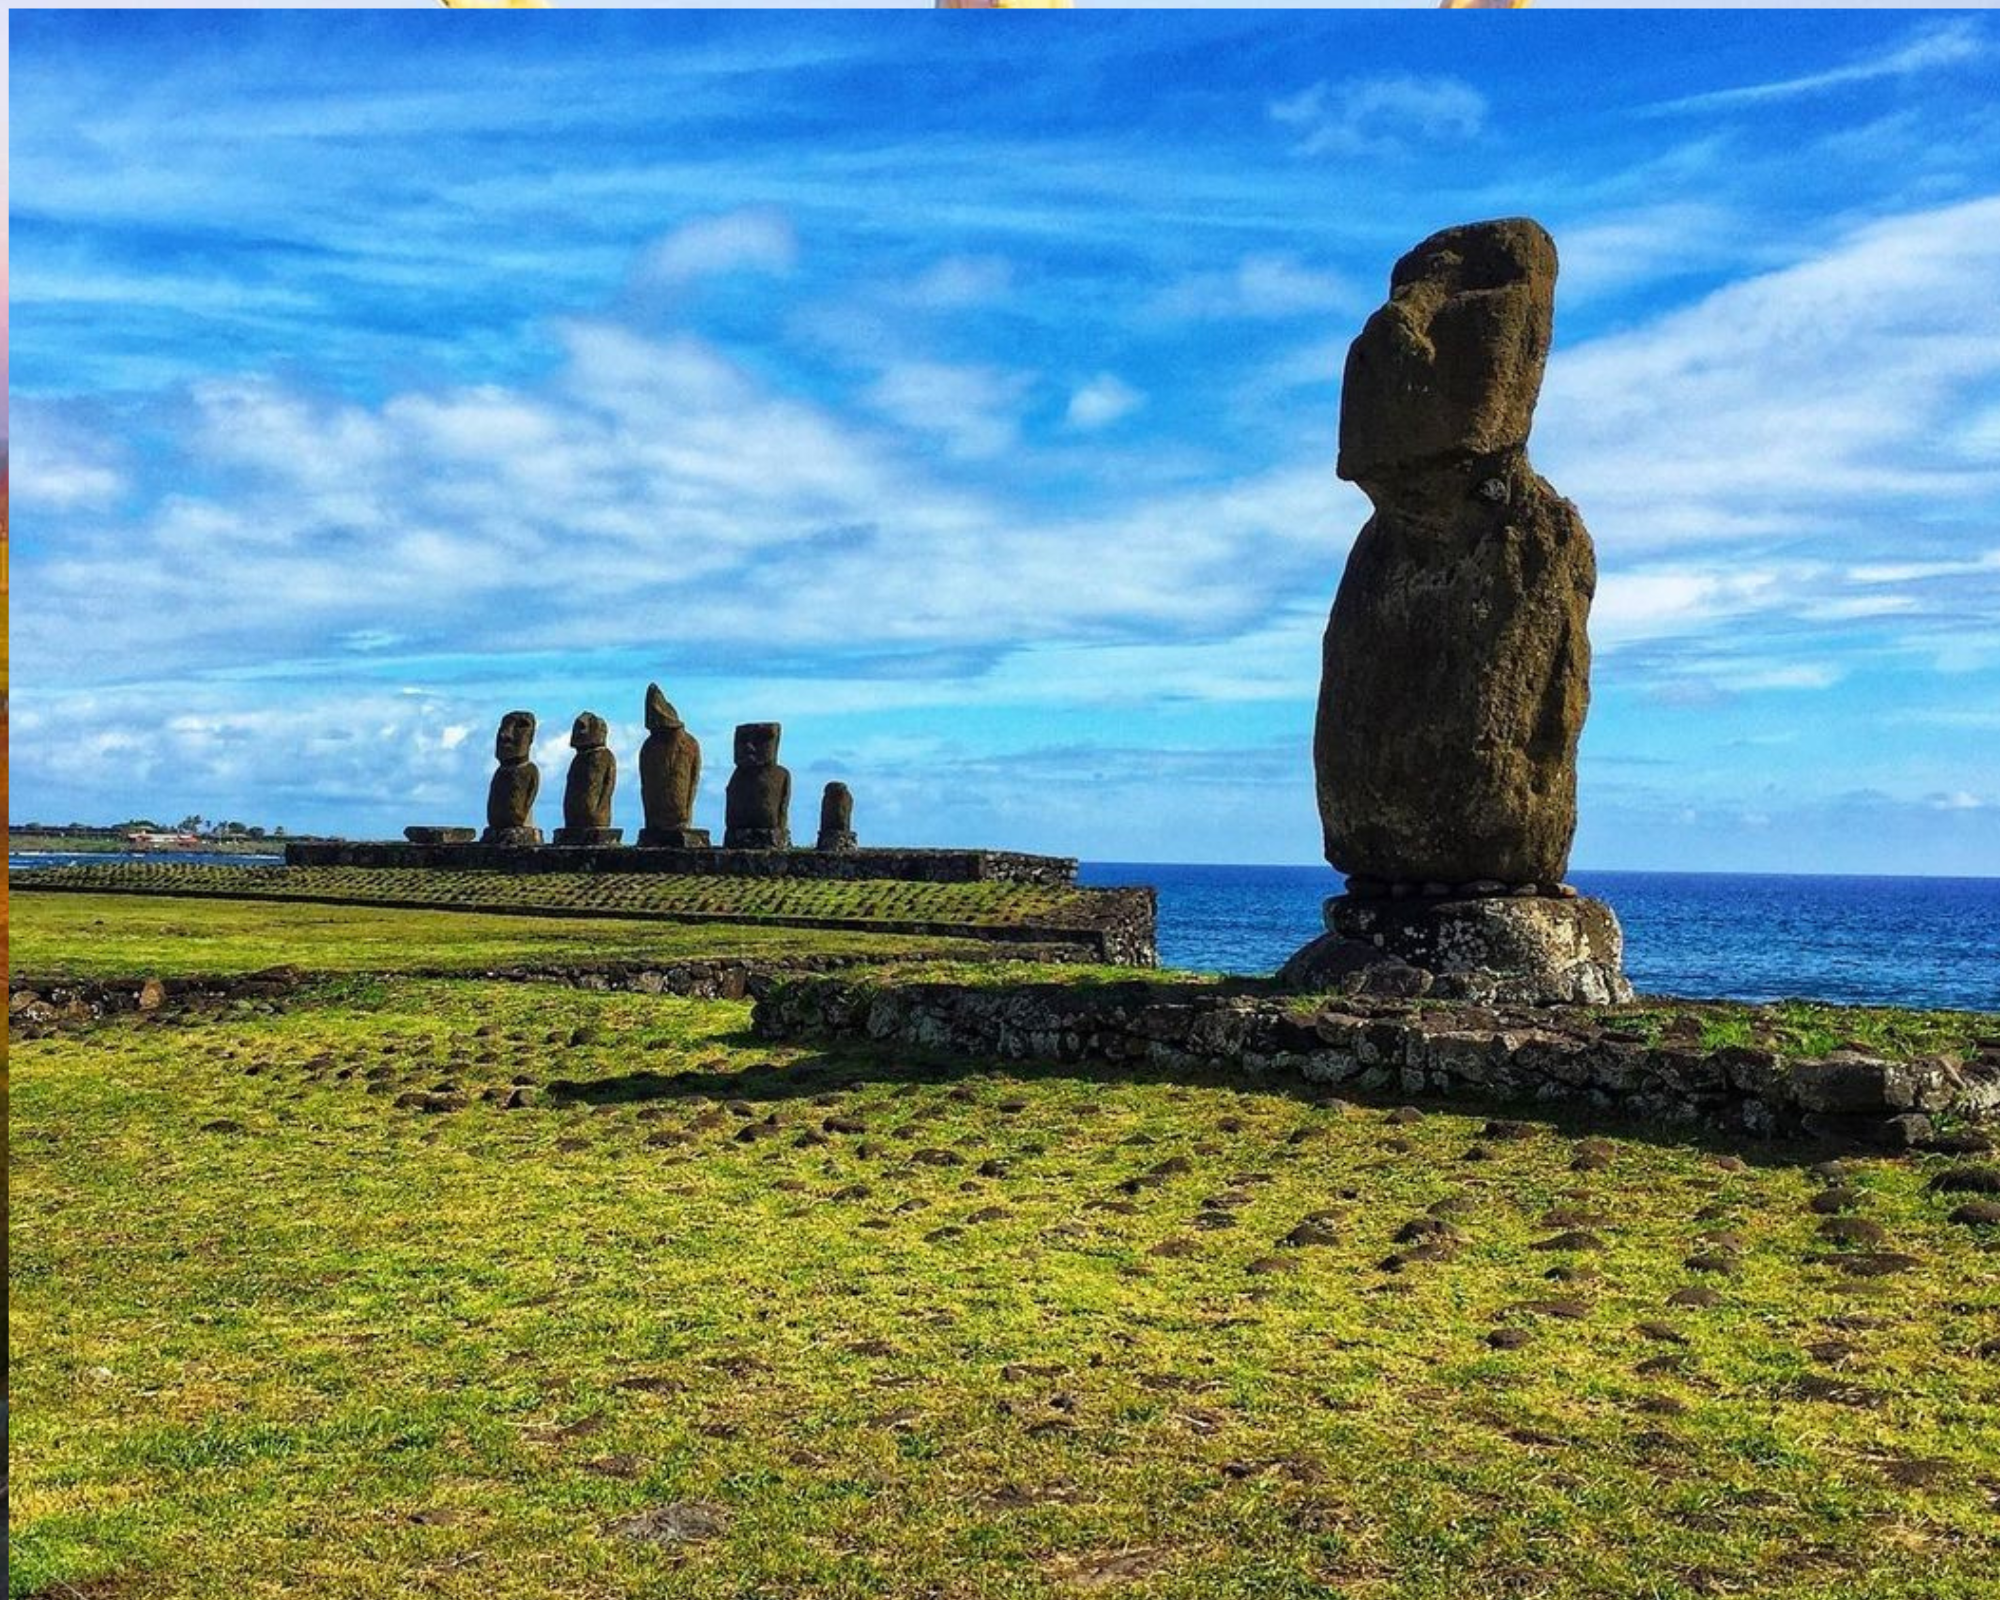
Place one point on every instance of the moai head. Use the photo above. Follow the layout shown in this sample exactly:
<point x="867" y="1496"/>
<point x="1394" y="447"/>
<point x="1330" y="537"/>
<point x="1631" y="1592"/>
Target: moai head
<point x="1452" y="363"/>
<point x="589" y="732"/>
<point x="757" y="744"/>
<point x="661" y="717"/>
<point x="515" y="739"/>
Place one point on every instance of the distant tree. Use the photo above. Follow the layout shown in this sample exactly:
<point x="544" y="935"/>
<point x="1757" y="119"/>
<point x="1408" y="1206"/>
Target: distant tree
<point x="256" y="833"/>
<point x="277" y="833"/>
<point x="191" y="823"/>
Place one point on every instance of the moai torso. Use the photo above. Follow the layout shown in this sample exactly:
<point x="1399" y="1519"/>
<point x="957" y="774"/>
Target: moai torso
<point x="760" y="792"/>
<point x="669" y="767"/>
<point x="510" y="798"/>
<point x="593" y="777"/>
<point x="836" y="818"/>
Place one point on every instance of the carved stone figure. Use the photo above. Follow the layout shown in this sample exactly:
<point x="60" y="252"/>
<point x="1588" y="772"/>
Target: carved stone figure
<point x="760" y="792"/>
<point x="669" y="775"/>
<point x="836" y="819"/>
<point x="1456" y="667"/>
<point x="593" y="775"/>
<point x="510" y="799"/>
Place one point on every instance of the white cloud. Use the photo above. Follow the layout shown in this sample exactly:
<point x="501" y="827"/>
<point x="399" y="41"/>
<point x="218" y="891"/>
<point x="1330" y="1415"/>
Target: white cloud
<point x="1102" y="401"/>
<point x="1941" y="44"/>
<point x="1257" y="286"/>
<point x="974" y="410"/>
<point x="757" y="239"/>
<point x="1801" y="402"/>
<point x="961" y="281"/>
<point x="1624" y="249"/>
<point x="58" y="465"/>
<point x="1381" y="115"/>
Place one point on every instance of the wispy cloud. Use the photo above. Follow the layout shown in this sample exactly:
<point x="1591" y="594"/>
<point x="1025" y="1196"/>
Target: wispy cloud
<point x="759" y="239"/>
<point x="1381" y="115"/>
<point x="1934" y="46"/>
<point x="1257" y="286"/>
<point x="1102" y="401"/>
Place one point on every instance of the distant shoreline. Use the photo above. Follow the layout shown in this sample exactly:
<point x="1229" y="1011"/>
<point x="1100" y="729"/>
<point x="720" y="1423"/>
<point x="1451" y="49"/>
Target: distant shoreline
<point x="92" y="844"/>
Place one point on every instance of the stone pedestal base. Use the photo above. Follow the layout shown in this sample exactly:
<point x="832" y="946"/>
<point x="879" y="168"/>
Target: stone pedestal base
<point x="838" y="840"/>
<point x="587" y="836"/>
<point x="674" y="839"/>
<point x="440" y="835"/>
<point x="1521" y="951"/>
<point x="757" y="839"/>
<point x="511" y="836"/>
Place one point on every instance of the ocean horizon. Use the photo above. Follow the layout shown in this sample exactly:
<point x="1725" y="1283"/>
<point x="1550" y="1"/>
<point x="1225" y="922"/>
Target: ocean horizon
<point x="1849" y="939"/>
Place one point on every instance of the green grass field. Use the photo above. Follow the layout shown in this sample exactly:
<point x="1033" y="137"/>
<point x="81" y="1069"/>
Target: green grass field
<point x="131" y="936"/>
<point x="299" y="1305"/>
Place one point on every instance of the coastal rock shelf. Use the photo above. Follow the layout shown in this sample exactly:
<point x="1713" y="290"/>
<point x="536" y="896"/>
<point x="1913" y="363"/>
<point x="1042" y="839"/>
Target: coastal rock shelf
<point x="1111" y="925"/>
<point x="913" y="866"/>
<point x="1385" y="1047"/>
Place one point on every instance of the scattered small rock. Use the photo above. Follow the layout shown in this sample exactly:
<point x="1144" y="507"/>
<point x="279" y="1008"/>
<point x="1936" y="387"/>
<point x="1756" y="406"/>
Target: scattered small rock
<point x="1966" y="1180"/>
<point x="1575" y="1239"/>
<point x="680" y="1522"/>
<point x="1839" y="1198"/>
<point x="1853" y="1230"/>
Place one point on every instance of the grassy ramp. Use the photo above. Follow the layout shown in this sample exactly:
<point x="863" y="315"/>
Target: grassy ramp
<point x="122" y="936"/>
<point x="493" y="1291"/>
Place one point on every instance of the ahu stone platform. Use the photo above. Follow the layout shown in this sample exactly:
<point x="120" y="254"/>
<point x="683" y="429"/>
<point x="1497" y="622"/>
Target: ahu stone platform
<point x="915" y="866"/>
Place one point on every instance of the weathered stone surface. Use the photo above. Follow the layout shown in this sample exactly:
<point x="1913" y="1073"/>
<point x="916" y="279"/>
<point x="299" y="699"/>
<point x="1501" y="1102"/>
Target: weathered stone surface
<point x="836" y="819"/>
<point x="593" y="776"/>
<point x="421" y="835"/>
<point x="1380" y="1046"/>
<point x="669" y="775"/>
<point x="510" y="799"/>
<point x="759" y="801"/>
<point x="1523" y="951"/>
<point x="1456" y="661"/>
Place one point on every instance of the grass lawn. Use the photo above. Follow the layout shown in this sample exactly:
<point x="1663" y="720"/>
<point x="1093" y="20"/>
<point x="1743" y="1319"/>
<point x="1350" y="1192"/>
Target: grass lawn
<point x="718" y="1319"/>
<point x="120" y="936"/>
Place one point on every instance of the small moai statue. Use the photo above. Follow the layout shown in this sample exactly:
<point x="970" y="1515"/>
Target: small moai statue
<point x="836" y="819"/>
<point x="510" y="800"/>
<point x="669" y="775"/>
<point x="760" y="792"/>
<point x="593" y="774"/>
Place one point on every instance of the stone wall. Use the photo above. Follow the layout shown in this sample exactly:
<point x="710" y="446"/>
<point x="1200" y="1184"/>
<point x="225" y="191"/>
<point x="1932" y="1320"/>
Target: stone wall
<point x="1548" y="1056"/>
<point x="919" y="866"/>
<point x="38" y="1005"/>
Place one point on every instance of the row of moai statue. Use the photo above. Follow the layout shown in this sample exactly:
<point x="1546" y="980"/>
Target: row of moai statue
<point x="757" y="813"/>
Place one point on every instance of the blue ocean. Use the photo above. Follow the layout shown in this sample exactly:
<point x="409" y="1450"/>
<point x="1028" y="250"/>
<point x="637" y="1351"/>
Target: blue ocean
<point x="1860" y="941"/>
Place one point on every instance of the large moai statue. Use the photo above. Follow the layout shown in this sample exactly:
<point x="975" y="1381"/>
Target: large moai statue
<point x="836" y="820"/>
<point x="593" y="776"/>
<point x="1456" y="668"/>
<point x="510" y="799"/>
<point x="760" y="792"/>
<point x="669" y="775"/>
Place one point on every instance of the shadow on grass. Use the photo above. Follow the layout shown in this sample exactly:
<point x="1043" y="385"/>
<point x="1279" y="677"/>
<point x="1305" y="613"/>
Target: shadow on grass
<point x="843" y="1067"/>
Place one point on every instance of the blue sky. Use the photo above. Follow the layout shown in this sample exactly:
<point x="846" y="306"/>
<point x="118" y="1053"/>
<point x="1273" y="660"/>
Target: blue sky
<point x="967" y="402"/>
